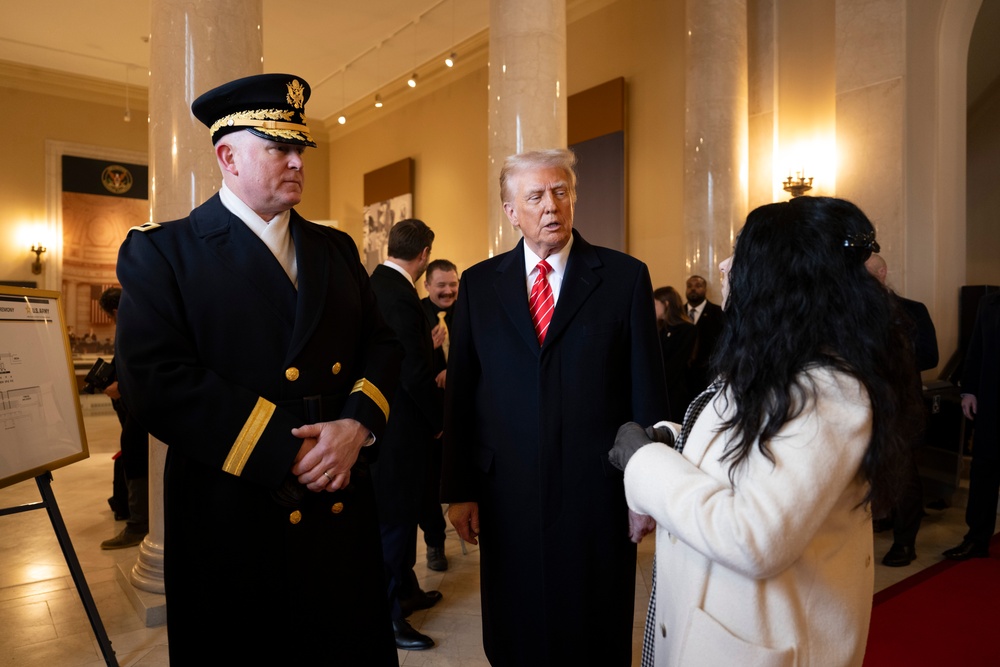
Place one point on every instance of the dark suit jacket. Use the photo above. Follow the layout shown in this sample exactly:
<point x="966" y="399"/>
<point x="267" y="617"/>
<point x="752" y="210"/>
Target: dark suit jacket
<point x="219" y="352"/>
<point x="922" y="333"/>
<point x="678" y="343"/>
<point x="981" y="374"/>
<point x="709" y="325"/>
<point x="527" y="434"/>
<point x="416" y="413"/>
<point x="981" y="378"/>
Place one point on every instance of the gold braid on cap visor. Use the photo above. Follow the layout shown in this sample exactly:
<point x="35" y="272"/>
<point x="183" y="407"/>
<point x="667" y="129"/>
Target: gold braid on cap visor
<point x="273" y="122"/>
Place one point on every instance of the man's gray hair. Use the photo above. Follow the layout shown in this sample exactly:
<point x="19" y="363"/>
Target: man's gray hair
<point x="556" y="158"/>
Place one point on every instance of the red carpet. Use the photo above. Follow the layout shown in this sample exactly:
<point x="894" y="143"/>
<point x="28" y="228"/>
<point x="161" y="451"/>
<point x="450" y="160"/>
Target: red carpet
<point x="948" y="614"/>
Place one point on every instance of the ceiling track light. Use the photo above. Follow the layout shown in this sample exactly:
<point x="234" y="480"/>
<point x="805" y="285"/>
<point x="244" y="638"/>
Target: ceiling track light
<point x="378" y="101"/>
<point x="450" y="60"/>
<point x="412" y="81"/>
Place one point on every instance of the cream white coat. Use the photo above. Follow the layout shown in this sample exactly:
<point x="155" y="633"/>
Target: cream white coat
<point x="775" y="570"/>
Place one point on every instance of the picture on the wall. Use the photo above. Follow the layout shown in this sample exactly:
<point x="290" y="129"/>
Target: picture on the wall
<point x="379" y="218"/>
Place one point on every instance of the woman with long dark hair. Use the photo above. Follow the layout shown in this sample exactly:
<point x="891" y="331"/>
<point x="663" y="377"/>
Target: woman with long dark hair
<point x="678" y="338"/>
<point x="763" y="529"/>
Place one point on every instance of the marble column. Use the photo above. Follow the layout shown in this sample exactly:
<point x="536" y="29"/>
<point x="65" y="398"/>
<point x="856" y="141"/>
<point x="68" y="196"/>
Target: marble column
<point x="194" y="46"/>
<point x="527" y="94"/>
<point x="715" y="134"/>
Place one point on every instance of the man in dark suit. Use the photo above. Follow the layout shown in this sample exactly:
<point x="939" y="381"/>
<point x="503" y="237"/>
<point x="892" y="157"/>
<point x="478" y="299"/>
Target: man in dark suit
<point x="253" y="347"/>
<point x="909" y="507"/>
<point x="416" y="421"/>
<point x="709" y="319"/>
<point x="553" y="347"/>
<point x="981" y="403"/>
<point x="441" y="283"/>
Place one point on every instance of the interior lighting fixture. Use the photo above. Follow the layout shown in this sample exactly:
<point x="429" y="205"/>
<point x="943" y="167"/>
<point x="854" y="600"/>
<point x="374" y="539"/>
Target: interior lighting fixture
<point x="412" y="81"/>
<point x="378" y="101"/>
<point x="450" y="60"/>
<point x="36" y="266"/>
<point x="797" y="186"/>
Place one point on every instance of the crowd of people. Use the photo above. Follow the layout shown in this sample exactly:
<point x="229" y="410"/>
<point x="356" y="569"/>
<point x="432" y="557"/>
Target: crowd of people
<point x="558" y="405"/>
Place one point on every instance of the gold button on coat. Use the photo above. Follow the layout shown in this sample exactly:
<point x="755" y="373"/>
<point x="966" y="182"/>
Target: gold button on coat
<point x="336" y="368"/>
<point x="337" y="508"/>
<point x="292" y="374"/>
<point x="295" y="517"/>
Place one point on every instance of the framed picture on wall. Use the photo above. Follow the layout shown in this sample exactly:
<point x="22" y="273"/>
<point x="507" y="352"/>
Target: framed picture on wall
<point x="388" y="199"/>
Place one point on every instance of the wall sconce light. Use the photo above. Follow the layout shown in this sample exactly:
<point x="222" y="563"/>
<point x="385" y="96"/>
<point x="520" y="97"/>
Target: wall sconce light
<point x="36" y="266"/>
<point x="450" y="60"/>
<point x="797" y="186"/>
<point x="412" y="81"/>
<point x="378" y="101"/>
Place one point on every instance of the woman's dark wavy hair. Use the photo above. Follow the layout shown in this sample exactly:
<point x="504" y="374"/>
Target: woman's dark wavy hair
<point x="799" y="294"/>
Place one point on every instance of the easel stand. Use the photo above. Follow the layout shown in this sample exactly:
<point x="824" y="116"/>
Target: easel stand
<point x="44" y="482"/>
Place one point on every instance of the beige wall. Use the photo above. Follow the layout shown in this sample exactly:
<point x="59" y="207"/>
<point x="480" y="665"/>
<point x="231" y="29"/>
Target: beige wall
<point x="445" y="133"/>
<point x="31" y="119"/>
<point x="644" y="42"/>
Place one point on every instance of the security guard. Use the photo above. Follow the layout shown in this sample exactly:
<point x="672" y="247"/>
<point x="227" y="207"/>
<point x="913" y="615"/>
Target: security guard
<point x="254" y="349"/>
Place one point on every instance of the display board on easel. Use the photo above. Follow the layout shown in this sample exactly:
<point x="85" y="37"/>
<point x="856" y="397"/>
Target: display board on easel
<point x="41" y="425"/>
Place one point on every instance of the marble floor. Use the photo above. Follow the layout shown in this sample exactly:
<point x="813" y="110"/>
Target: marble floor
<point x="43" y="622"/>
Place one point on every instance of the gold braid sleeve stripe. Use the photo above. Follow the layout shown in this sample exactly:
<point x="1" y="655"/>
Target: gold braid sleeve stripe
<point x="372" y="392"/>
<point x="248" y="437"/>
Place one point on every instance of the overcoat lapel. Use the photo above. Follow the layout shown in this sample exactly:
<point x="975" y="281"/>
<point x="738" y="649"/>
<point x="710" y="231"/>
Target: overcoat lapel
<point x="512" y="292"/>
<point x="313" y="281"/>
<point x="239" y="249"/>
<point x="577" y="286"/>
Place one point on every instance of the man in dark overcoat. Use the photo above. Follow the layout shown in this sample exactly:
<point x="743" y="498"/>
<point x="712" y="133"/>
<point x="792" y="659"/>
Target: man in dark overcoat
<point x="535" y="396"/>
<point x="416" y="421"/>
<point x="981" y="403"/>
<point x="253" y="347"/>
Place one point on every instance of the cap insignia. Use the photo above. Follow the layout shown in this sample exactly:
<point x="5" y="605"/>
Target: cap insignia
<point x="296" y="94"/>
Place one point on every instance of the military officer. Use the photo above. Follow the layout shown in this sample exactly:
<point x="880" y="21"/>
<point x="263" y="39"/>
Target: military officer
<point x="254" y="349"/>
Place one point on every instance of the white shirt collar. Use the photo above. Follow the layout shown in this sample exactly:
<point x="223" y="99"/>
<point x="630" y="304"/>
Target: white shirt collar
<point x="392" y="265"/>
<point x="274" y="234"/>
<point x="556" y="260"/>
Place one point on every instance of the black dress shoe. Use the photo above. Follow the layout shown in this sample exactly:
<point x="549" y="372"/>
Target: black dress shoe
<point x="422" y="600"/>
<point x="436" y="560"/>
<point x="899" y="555"/>
<point x="966" y="550"/>
<point x="408" y="639"/>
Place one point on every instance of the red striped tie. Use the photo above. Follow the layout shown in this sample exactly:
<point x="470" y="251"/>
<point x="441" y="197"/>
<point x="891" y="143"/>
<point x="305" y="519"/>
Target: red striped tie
<point x="541" y="303"/>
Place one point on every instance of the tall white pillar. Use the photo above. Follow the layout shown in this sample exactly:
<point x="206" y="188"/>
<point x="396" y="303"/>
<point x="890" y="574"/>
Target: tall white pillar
<point x="715" y="135"/>
<point x="527" y="93"/>
<point x="193" y="48"/>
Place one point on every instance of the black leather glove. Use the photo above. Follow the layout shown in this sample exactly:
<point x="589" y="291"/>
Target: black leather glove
<point x="661" y="434"/>
<point x="630" y="438"/>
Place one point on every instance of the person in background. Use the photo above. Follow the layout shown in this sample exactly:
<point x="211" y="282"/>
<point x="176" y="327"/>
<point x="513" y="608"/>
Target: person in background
<point x="709" y="319"/>
<point x="981" y="403"/>
<point x="909" y="508"/>
<point x="553" y="345"/>
<point x="253" y="347"/>
<point x="417" y="413"/>
<point x="678" y="343"/>
<point x="134" y="455"/>
<point x="441" y="283"/>
<point x="761" y="506"/>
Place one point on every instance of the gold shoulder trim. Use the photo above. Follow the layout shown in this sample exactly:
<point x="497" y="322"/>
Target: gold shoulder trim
<point x="145" y="227"/>
<point x="248" y="437"/>
<point x="372" y="392"/>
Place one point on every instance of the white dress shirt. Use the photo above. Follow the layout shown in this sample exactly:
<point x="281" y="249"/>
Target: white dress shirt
<point x="274" y="234"/>
<point x="556" y="260"/>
